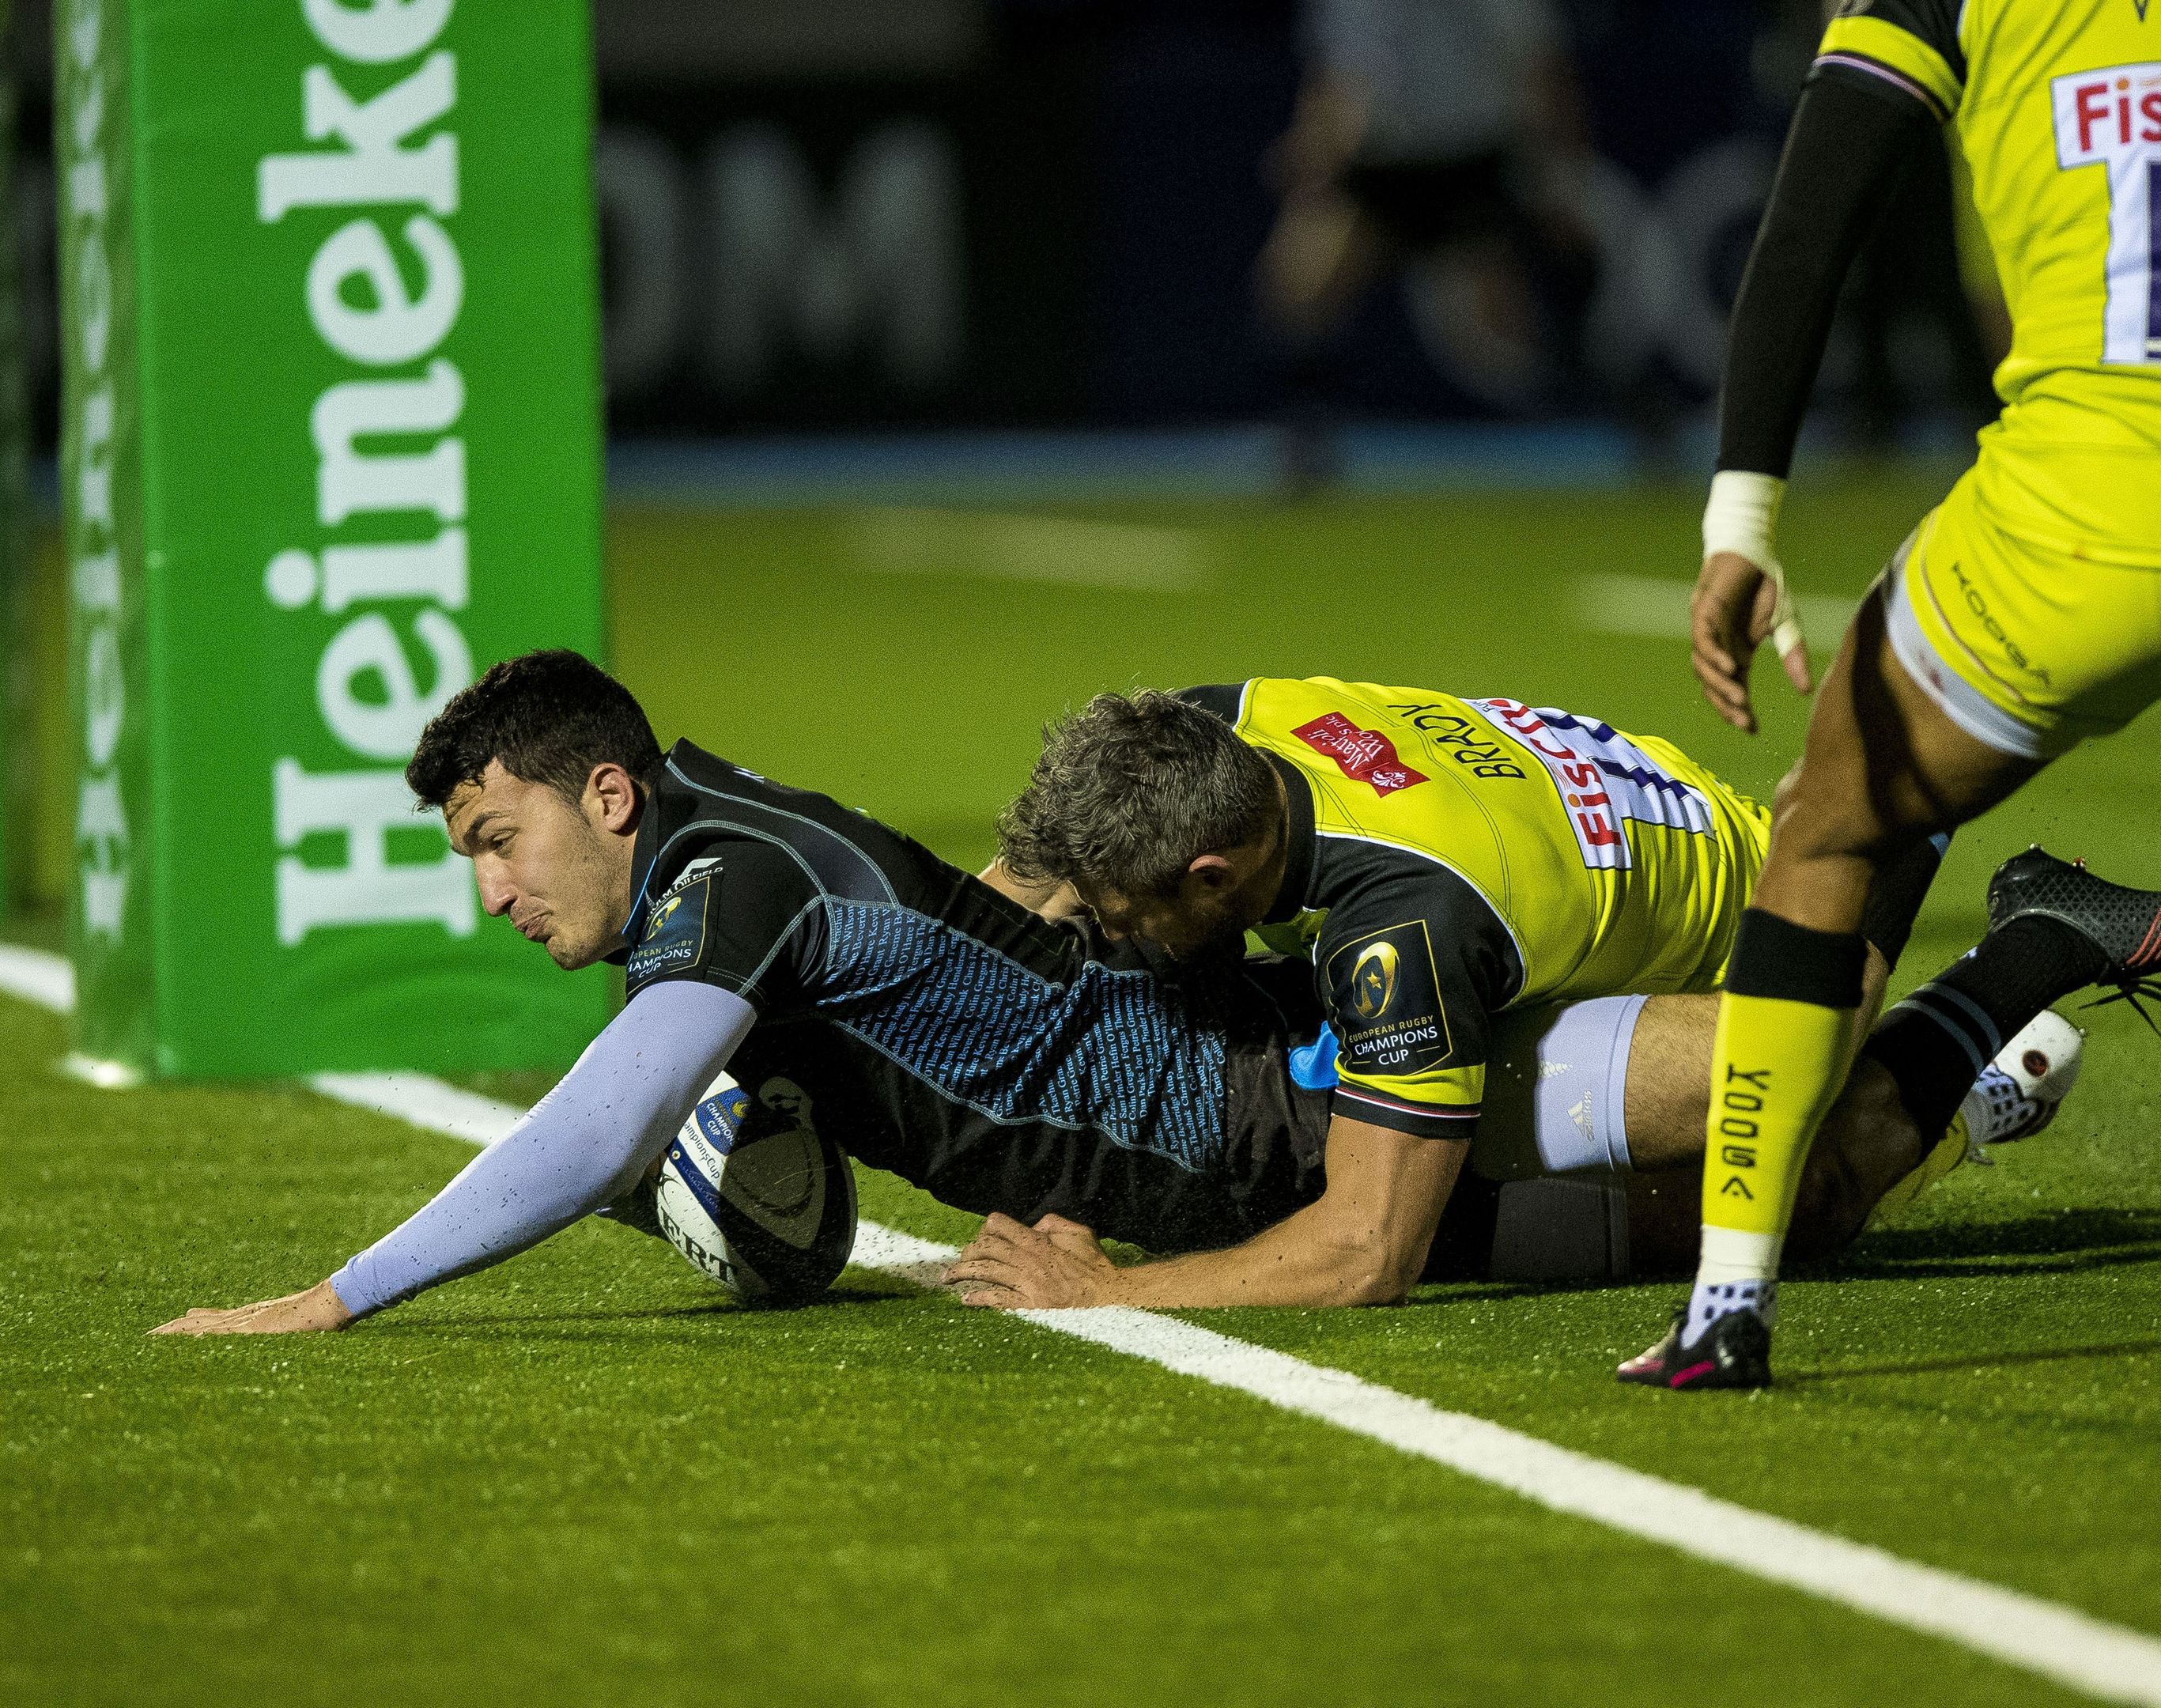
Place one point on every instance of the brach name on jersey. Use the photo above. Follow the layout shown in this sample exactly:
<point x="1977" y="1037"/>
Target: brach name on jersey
<point x="384" y="446"/>
<point x="1467" y="743"/>
<point x="1605" y="780"/>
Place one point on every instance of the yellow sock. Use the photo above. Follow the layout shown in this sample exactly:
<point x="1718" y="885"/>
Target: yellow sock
<point x="1777" y="1066"/>
<point x="1784" y="1041"/>
<point x="1950" y="1150"/>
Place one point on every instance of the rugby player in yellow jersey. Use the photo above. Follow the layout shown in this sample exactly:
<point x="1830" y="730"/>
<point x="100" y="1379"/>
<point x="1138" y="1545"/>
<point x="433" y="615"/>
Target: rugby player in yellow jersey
<point x="1478" y="885"/>
<point x="2021" y="616"/>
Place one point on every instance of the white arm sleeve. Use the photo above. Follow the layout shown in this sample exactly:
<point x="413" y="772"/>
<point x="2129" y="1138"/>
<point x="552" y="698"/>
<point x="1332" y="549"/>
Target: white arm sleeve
<point x="585" y="1144"/>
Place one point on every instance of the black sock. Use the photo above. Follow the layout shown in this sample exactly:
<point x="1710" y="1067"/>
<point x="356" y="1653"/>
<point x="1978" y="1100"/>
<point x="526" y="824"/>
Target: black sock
<point x="1936" y="1042"/>
<point x="1895" y="897"/>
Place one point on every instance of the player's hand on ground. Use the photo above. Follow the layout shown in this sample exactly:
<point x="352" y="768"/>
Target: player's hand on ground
<point x="313" y="1312"/>
<point x="1055" y="1265"/>
<point x="1736" y="606"/>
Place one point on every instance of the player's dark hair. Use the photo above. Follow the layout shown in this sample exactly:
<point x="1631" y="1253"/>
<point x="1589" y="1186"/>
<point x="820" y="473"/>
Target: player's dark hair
<point x="549" y="716"/>
<point x="1130" y="791"/>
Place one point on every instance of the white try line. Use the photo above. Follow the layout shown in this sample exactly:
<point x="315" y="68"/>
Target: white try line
<point x="998" y="546"/>
<point x="36" y="977"/>
<point x="2058" y="1642"/>
<point x="1658" y="609"/>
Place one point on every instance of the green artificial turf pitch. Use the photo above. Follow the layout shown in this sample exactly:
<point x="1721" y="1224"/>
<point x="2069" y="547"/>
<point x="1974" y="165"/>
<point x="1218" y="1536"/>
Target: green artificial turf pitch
<point x="579" y="1478"/>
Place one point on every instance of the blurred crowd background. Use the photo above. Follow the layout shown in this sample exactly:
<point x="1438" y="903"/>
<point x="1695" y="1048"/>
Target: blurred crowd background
<point x="887" y="215"/>
<point x="913" y="310"/>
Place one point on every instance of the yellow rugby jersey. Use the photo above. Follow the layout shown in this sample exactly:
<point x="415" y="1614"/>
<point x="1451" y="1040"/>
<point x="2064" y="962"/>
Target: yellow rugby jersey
<point x="2057" y="106"/>
<point x="1450" y="858"/>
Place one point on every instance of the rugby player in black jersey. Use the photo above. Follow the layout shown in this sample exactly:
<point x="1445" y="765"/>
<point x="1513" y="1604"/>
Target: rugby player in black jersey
<point x="943" y="1031"/>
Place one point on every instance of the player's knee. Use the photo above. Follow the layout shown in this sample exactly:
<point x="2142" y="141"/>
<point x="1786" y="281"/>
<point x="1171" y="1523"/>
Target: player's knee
<point x="1784" y="795"/>
<point x="1823" y="813"/>
<point x="1819" y="816"/>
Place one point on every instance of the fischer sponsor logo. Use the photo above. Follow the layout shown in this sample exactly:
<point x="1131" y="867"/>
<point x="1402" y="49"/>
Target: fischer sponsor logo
<point x="2111" y="118"/>
<point x="1606" y="780"/>
<point x="2100" y="113"/>
<point x="1364" y="756"/>
<point x="383" y="290"/>
<point x="101" y="830"/>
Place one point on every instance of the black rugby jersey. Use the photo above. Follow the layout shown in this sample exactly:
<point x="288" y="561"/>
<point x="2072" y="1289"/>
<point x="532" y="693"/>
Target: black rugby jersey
<point x="937" y="1029"/>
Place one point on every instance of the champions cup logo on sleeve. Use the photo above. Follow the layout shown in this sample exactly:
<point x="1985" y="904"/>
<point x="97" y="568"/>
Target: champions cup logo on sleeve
<point x="676" y="935"/>
<point x="1374" y="981"/>
<point x="1365" y="756"/>
<point x="1386" y="983"/>
<point x="1605" y="780"/>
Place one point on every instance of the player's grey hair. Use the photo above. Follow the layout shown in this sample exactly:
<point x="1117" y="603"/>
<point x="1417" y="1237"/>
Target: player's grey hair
<point x="1130" y="791"/>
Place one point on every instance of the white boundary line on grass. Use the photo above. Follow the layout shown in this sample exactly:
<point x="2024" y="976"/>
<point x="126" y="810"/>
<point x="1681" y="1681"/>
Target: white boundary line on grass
<point x="36" y="977"/>
<point x="1658" y="608"/>
<point x="2058" y="1642"/>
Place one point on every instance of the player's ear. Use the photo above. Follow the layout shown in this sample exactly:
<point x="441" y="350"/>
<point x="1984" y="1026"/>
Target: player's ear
<point x="611" y="801"/>
<point x="1212" y="872"/>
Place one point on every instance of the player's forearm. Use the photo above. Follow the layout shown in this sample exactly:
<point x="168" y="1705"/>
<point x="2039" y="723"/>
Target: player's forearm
<point x="1844" y="155"/>
<point x="1363" y="1241"/>
<point x="583" y="1146"/>
<point x="1311" y="1258"/>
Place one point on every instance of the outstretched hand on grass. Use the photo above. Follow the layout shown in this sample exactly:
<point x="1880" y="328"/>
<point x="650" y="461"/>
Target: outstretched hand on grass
<point x="1738" y="606"/>
<point x="1055" y="1265"/>
<point x="315" y="1311"/>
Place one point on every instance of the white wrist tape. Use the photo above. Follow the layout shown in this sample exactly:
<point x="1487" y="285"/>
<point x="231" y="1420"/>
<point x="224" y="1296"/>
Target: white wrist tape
<point x="1742" y="518"/>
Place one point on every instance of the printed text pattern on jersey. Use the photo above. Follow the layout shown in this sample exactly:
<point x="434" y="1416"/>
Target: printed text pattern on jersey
<point x="1111" y="1050"/>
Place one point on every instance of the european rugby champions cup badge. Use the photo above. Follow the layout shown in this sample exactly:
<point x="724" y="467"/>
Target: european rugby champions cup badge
<point x="1386" y="983"/>
<point x="1373" y="980"/>
<point x="675" y="933"/>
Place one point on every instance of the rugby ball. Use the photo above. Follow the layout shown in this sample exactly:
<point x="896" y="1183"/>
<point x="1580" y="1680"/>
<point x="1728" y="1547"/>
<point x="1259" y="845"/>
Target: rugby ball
<point x="754" y="1197"/>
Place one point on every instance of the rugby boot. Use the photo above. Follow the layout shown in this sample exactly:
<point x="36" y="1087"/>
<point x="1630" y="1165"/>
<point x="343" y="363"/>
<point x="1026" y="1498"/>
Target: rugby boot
<point x="2123" y="924"/>
<point x="2019" y="1093"/>
<point x="1735" y="1351"/>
